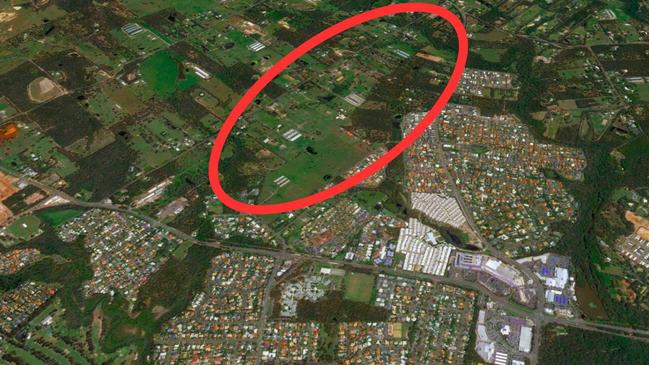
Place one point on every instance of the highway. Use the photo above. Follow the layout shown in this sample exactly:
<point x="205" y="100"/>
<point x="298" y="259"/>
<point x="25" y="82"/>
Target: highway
<point x="281" y="254"/>
<point x="491" y="250"/>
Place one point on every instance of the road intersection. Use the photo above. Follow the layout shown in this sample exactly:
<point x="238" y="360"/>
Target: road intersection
<point x="282" y="254"/>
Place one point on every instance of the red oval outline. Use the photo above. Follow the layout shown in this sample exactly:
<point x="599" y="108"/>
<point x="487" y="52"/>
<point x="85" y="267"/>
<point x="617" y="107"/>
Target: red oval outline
<point x="258" y="86"/>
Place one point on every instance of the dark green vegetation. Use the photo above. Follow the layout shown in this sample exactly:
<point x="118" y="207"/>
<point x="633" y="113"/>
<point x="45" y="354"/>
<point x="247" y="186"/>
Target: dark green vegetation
<point x="166" y="74"/>
<point x="638" y="9"/>
<point x="58" y="216"/>
<point x="594" y="195"/>
<point x="239" y="165"/>
<point x="65" y="120"/>
<point x="572" y="346"/>
<point x="75" y="70"/>
<point x="238" y="76"/>
<point x="15" y="84"/>
<point x="165" y="294"/>
<point x="636" y="156"/>
<point x="598" y="220"/>
<point x="541" y="84"/>
<point x="103" y="172"/>
<point x="395" y="99"/>
<point x="392" y="188"/>
<point x="333" y="308"/>
<point x="602" y="178"/>
<point x="471" y="356"/>
<point x="177" y="281"/>
<point x="134" y="113"/>
<point x="69" y="272"/>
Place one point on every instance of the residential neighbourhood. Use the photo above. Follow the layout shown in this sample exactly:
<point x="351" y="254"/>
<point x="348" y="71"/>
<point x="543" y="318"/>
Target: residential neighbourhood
<point x="175" y="182"/>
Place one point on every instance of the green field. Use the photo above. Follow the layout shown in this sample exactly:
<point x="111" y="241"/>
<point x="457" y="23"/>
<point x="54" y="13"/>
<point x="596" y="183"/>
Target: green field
<point x="635" y="153"/>
<point x="641" y="93"/>
<point x="491" y="54"/>
<point x="25" y="227"/>
<point x="335" y="151"/>
<point x="162" y="72"/>
<point x="58" y="217"/>
<point x="181" y="252"/>
<point x="160" y="139"/>
<point x="358" y="287"/>
<point x="368" y="199"/>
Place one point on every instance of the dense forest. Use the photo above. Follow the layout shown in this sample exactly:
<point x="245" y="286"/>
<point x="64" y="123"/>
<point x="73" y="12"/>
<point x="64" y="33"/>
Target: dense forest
<point x="602" y="177"/>
<point x="575" y="347"/>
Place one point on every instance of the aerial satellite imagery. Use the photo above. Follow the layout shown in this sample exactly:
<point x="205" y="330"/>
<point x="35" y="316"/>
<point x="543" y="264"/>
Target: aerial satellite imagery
<point x="356" y="182"/>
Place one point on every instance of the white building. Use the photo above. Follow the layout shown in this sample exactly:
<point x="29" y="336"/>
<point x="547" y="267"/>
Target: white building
<point x="525" y="339"/>
<point x="424" y="252"/>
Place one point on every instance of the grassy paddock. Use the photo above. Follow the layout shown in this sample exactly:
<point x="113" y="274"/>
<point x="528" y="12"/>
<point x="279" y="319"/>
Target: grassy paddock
<point x="358" y="287"/>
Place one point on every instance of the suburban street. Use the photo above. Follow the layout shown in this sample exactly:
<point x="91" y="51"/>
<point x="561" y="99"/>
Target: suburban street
<point x="281" y="254"/>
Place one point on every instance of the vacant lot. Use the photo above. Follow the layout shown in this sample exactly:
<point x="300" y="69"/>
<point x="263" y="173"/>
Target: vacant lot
<point x="358" y="287"/>
<point x="43" y="89"/>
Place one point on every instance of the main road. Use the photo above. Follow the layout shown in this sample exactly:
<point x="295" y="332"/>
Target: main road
<point x="536" y="314"/>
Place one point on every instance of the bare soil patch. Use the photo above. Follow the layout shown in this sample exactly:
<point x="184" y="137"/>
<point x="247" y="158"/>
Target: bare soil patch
<point x="43" y="89"/>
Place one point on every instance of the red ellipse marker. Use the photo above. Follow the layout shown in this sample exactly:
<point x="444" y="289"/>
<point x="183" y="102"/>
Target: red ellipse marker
<point x="258" y="86"/>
